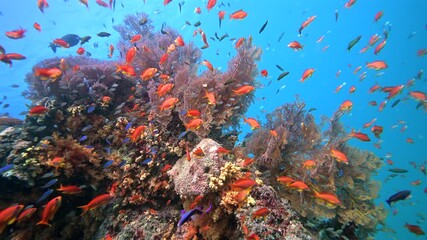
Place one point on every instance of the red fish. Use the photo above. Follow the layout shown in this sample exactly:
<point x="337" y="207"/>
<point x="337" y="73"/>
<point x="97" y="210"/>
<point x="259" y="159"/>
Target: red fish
<point x="285" y="180"/>
<point x="243" y="183"/>
<point x="179" y="41"/>
<point x="306" y="23"/>
<point x="415" y="229"/>
<point x="378" y="15"/>
<point x="126" y="70"/>
<point x="349" y="3"/>
<point x="80" y="51"/>
<point x="193" y="113"/>
<point x="194" y="124"/>
<point x="262" y="212"/>
<point x="204" y="39"/>
<point x="162" y="89"/>
<point x="198" y="10"/>
<point x="47" y="73"/>
<point x="393" y="90"/>
<point x="166" y="2"/>
<point x="252" y="122"/>
<point x="85" y="3"/>
<point x="360" y="136"/>
<point x="208" y="64"/>
<point x="70" y="189"/>
<point x="168" y="103"/>
<point x="96" y="202"/>
<point x="352" y="89"/>
<point x="309" y="164"/>
<point x="37" y="27"/>
<point x="418" y="95"/>
<point x="328" y="197"/>
<point x="377" y="130"/>
<point x="15" y="34"/>
<point x="379" y="47"/>
<point x="211" y="4"/>
<point x="111" y="49"/>
<point x="130" y="55"/>
<point x="239" y="14"/>
<point x="136" y="38"/>
<point x="239" y="42"/>
<point x="298" y="185"/>
<point x="374" y="88"/>
<point x="346" y="106"/>
<point x="295" y="45"/>
<point x="50" y="210"/>
<point x="421" y="52"/>
<point x="307" y="74"/>
<point x="163" y="58"/>
<point x="41" y="4"/>
<point x="339" y="156"/>
<point x="264" y="73"/>
<point x="221" y="15"/>
<point x="61" y="43"/>
<point x="198" y="152"/>
<point x="247" y="162"/>
<point x="26" y="214"/>
<point x="9" y="215"/>
<point x="102" y="4"/>
<point x="148" y="73"/>
<point x="374" y="39"/>
<point x="137" y="133"/>
<point x="38" y="110"/>
<point x="211" y="97"/>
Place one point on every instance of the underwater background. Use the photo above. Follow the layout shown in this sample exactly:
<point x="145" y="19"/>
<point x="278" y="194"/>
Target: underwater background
<point x="399" y="146"/>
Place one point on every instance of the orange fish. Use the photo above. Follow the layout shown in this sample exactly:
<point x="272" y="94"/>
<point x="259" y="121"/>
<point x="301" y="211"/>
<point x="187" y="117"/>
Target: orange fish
<point x="136" y="38"/>
<point x="374" y="88"/>
<point x="56" y="162"/>
<point x="9" y="215"/>
<point x="295" y="45"/>
<point x="382" y="105"/>
<point x="242" y="195"/>
<point x="307" y="73"/>
<point x="50" y="210"/>
<point x="168" y="103"/>
<point x="298" y="185"/>
<point x="211" y="97"/>
<point x="380" y="47"/>
<point x="204" y="39"/>
<point x="253" y="236"/>
<point x="208" y="64"/>
<point x="240" y="14"/>
<point x="179" y="41"/>
<point x="339" y="156"/>
<point x="306" y="23"/>
<point x="61" y="43"/>
<point x="264" y="73"/>
<point x="41" y="4"/>
<point x="96" y="202"/>
<point x="252" y="122"/>
<point x="416" y="182"/>
<point x="346" y="106"/>
<point x="193" y="113"/>
<point x="15" y="34"/>
<point x="273" y="133"/>
<point x="148" y="73"/>
<point x="198" y="152"/>
<point x="70" y="189"/>
<point x="245" y="89"/>
<point x="111" y="49"/>
<point x="243" y="183"/>
<point x="48" y="73"/>
<point x="239" y="42"/>
<point x="194" y="124"/>
<point x="162" y="89"/>
<point x="368" y="124"/>
<point x="37" y="27"/>
<point x="377" y="65"/>
<point x="418" y="95"/>
<point x="80" y="51"/>
<point x="349" y="3"/>
<point x="374" y="39"/>
<point x="221" y="15"/>
<point x="103" y="4"/>
<point x="309" y="164"/>
<point x="163" y="58"/>
<point x="285" y="180"/>
<point x="392" y="91"/>
<point x="130" y="55"/>
<point x="25" y="215"/>
<point x="421" y="52"/>
<point x="328" y="197"/>
<point x="85" y="3"/>
<point x="222" y="150"/>
<point x="352" y="89"/>
<point x="195" y="202"/>
<point x="262" y="212"/>
<point x="126" y="70"/>
<point x="409" y="140"/>
<point x="247" y="162"/>
<point x="211" y="4"/>
<point x="137" y="133"/>
<point x="320" y="39"/>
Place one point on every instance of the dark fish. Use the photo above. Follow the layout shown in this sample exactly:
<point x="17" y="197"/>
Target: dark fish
<point x="40" y="129"/>
<point x="311" y="109"/>
<point x="48" y="175"/>
<point x="86" y="128"/>
<point x="103" y="34"/>
<point x="50" y="183"/>
<point x="6" y="168"/>
<point x="395" y="103"/>
<point x="162" y="30"/>
<point x="419" y="105"/>
<point x="95" y="45"/>
<point x="114" y="5"/>
<point x="263" y="27"/>
<point x="281" y="36"/>
<point x="108" y="141"/>
<point x="108" y="163"/>
<point x="282" y="75"/>
<point x="112" y="20"/>
<point x="186" y="215"/>
<point x="197" y="24"/>
<point x="336" y="15"/>
<point x="353" y="42"/>
<point x="122" y="163"/>
<point x="188" y="23"/>
<point x="143" y="21"/>
<point x="83" y="138"/>
<point x="126" y="140"/>
<point x="84" y="39"/>
<point x="6" y="105"/>
<point x="2" y="51"/>
<point x="223" y="36"/>
<point x="402" y="195"/>
<point x="14" y="85"/>
<point x="71" y="39"/>
<point x="398" y="170"/>
<point x="279" y="67"/>
<point x="180" y="4"/>
<point x="45" y="195"/>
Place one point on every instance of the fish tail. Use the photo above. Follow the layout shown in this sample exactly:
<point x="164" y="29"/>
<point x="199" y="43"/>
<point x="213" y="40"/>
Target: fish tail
<point x="388" y="202"/>
<point x="53" y="47"/>
<point x="44" y="222"/>
<point x="85" y="208"/>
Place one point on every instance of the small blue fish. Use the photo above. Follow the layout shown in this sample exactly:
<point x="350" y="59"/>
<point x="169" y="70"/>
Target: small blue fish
<point x="186" y="216"/>
<point x="86" y="128"/>
<point x="122" y="163"/>
<point x="6" y="168"/>
<point x="45" y="195"/>
<point x="108" y="141"/>
<point x="146" y="161"/>
<point x="154" y="149"/>
<point x="108" y="163"/>
<point x="91" y="108"/>
<point x="82" y="138"/>
<point x="128" y="126"/>
<point x="181" y="135"/>
<point x="48" y="175"/>
<point x="126" y="140"/>
<point x="340" y="173"/>
<point x="50" y="183"/>
<point x="107" y="150"/>
<point x="28" y="207"/>
<point x="89" y="147"/>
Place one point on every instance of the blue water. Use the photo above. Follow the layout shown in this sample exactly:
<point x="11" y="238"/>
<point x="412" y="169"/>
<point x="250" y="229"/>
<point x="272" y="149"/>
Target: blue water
<point x="403" y="17"/>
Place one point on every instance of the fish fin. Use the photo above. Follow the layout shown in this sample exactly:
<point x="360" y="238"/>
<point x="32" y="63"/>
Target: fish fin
<point x="53" y="47"/>
<point x="85" y="208"/>
<point x="44" y="222"/>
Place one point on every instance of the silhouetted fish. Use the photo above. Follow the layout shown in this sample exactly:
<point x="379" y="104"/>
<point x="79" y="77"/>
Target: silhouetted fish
<point x="402" y="195"/>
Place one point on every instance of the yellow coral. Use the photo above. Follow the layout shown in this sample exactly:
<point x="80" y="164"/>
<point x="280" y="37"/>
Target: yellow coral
<point x="228" y="201"/>
<point x="228" y="171"/>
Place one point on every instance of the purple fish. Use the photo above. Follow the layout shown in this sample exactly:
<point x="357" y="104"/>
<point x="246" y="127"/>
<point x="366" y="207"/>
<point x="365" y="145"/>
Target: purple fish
<point x="186" y="216"/>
